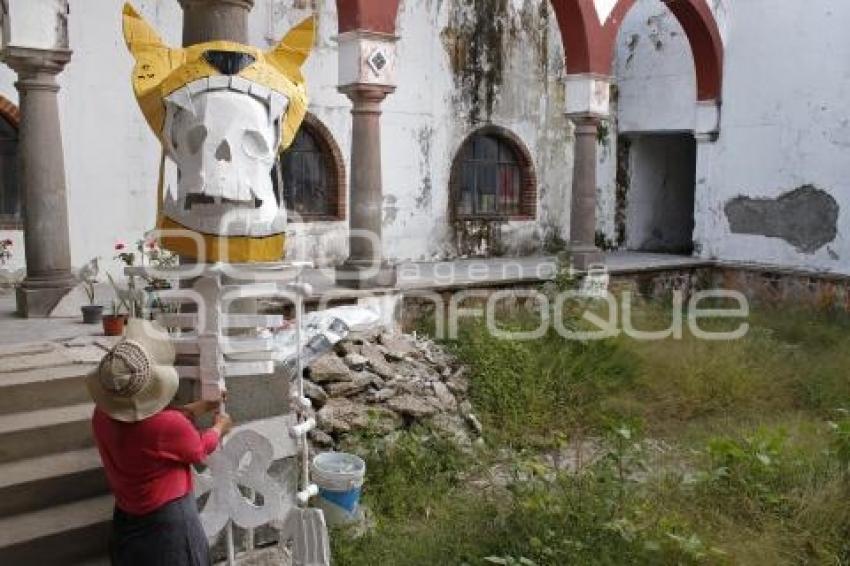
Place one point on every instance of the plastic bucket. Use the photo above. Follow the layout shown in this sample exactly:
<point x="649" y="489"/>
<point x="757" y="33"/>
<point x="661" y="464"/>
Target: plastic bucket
<point x="339" y="477"/>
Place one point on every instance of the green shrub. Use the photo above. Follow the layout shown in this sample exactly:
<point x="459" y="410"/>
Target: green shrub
<point x="526" y="391"/>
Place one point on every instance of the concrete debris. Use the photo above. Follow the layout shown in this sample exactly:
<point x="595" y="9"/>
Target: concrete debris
<point x="329" y="368"/>
<point x="444" y="395"/>
<point x="349" y="388"/>
<point x="356" y="361"/>
<point x="382" y="395"/>
<point x="412" y="406"/>
<point x="315" y="393"/>
<point x="386" y="383"/>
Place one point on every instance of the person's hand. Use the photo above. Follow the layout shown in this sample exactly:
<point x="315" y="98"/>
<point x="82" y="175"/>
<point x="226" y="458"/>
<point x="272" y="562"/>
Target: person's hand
<point x="199" y="408"/>
<point x="223" y="423"/>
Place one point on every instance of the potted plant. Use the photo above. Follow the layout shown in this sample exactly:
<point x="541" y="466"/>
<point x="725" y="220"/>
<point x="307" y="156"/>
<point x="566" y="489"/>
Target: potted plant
<point x="92" y="313"/>
<point x="115" y="321"/>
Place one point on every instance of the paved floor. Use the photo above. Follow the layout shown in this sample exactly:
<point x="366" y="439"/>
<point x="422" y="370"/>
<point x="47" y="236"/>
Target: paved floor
<point x="425" y="275"/>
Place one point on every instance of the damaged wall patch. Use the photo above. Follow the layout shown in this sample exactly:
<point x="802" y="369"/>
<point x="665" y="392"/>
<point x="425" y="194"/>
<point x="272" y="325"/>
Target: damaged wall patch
<point x="806" y="218"/>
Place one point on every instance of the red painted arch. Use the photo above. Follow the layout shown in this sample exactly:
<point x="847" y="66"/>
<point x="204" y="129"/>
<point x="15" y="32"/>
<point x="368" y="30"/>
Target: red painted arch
<point x="368" y="15"/>
<point x="589" y="45"/>
<point x="580" y="35"/>
<point x="706" y="45"/>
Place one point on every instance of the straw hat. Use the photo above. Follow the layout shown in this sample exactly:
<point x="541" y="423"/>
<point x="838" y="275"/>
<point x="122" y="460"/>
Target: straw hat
<point x="136" y="379"/>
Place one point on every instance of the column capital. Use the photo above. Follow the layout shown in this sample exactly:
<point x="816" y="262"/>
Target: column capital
<point x="588" y="93"/>
<point x="366" y="97"/>
<point x="367" y="57"/>
<point x="28" y="61"/>
<point x="585" y="120"/>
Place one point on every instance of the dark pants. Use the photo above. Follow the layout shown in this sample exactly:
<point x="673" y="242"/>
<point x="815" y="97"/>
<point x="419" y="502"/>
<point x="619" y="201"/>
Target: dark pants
<point x="170" y="536"/>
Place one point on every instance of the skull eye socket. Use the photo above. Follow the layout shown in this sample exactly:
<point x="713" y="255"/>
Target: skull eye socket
<point x="255" y="144"/>
<point x="195" y="138"/>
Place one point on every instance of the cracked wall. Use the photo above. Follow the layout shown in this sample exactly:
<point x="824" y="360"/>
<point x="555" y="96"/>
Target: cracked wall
<point x="466" y="64"/>
<point x="784" y="124"/>
<point x="806" y="217"/>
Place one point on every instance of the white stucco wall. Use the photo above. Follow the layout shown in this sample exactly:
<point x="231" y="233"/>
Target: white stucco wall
<point x="112" y="157"/>
<point x="785" y="119"/>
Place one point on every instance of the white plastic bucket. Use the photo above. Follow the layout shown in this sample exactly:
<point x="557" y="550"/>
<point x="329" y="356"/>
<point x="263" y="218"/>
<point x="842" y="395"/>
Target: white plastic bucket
<point x="340" y="478"/>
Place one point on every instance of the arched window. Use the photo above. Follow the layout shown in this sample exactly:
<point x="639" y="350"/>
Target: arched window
<point x="493" y="178"/>
<point x="10" y="198"/>
<point x="309" y="177"/>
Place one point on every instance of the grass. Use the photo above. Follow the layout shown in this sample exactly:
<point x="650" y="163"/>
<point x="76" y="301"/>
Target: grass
<point x="710" y="453"/>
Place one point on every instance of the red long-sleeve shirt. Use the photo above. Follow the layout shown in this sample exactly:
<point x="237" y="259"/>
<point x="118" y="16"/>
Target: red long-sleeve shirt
<point x="148" y="463"/>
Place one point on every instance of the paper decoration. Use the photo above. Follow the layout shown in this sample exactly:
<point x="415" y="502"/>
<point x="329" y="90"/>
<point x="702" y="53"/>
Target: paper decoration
<point x="308" y="532"/>
<point x="224" y="147"/>
<point x="227" y="471"/>
<point x="222" y="111"/>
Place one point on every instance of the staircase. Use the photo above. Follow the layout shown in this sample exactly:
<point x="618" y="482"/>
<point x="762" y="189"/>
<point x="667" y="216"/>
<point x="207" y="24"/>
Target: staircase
<point x="55" y="506"/>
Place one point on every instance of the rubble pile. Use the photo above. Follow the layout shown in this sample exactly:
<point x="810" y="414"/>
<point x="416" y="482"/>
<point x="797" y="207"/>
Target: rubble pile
<point x="380" y="383"/>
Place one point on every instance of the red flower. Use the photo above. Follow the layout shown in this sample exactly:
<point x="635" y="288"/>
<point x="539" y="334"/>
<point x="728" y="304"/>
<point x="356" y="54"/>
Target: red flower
<point x="120" y="246"/>
<point x="7" y="242"/>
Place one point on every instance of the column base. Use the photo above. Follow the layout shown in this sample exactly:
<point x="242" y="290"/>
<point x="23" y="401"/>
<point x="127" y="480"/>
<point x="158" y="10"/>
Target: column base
<point x="39" y="302"/>
<point x="583" y="256"/>
<point x="358" y="274"/>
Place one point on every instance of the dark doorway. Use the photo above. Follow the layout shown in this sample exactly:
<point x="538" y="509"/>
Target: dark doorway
<point x="660" y="194"/>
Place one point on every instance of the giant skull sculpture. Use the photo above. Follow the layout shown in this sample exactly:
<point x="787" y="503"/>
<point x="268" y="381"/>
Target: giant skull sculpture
<point x="222" y="112"/>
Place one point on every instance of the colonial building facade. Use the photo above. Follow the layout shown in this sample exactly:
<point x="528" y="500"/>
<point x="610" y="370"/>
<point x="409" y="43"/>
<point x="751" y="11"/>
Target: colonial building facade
<point x="499" y="127"/>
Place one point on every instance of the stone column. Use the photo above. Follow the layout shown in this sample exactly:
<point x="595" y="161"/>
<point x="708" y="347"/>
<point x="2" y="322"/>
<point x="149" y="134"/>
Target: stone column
<point x="211" y="20"/>
<point x="365" y="266"/>
<point x="582" y="245"/>
<point x="367" y="62"/>
<point x="42" y="180"/>
<point x="588" y="103"/>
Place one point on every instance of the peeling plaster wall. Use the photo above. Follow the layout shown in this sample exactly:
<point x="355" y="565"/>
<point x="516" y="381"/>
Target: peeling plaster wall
<point x="785" y="120"/>
<point x="465" y="64"/>
<point x="322" y="242"/>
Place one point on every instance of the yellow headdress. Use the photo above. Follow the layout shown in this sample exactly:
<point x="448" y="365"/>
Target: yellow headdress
<point x="164" y="74"/>
<point x="161" y="70"/>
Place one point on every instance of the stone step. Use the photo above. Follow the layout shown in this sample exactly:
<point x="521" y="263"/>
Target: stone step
<point x="45" y="431"/>
<point x="37" y="483"/>
<point x="61" y="535"/>
<point x="43" y="388"/>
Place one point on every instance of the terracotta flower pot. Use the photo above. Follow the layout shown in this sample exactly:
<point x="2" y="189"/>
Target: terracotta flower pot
<point x="113" y="324"/>
<point x="91" y="313"/>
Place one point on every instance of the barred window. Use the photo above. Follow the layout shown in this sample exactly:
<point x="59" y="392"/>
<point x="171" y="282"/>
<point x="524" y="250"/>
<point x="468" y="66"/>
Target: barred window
<point x="309" y="177"/>
<point x="492" y="177"/>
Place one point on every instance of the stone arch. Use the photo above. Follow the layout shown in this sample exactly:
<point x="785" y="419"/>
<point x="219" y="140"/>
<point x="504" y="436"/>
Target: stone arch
<point x="590" y="43"/>
<point x="580" y="35"/>
<point x="703" y="35"/>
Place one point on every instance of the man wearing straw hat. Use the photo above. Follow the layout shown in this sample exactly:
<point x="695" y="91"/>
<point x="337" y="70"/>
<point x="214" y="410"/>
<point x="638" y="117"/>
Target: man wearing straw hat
<point x="147" y="449"/>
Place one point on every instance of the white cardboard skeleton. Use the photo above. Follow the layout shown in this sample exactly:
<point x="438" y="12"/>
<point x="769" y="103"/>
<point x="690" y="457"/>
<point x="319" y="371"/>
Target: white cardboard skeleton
<point x="223" y="137"/>
<point x="222" y="112"/>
